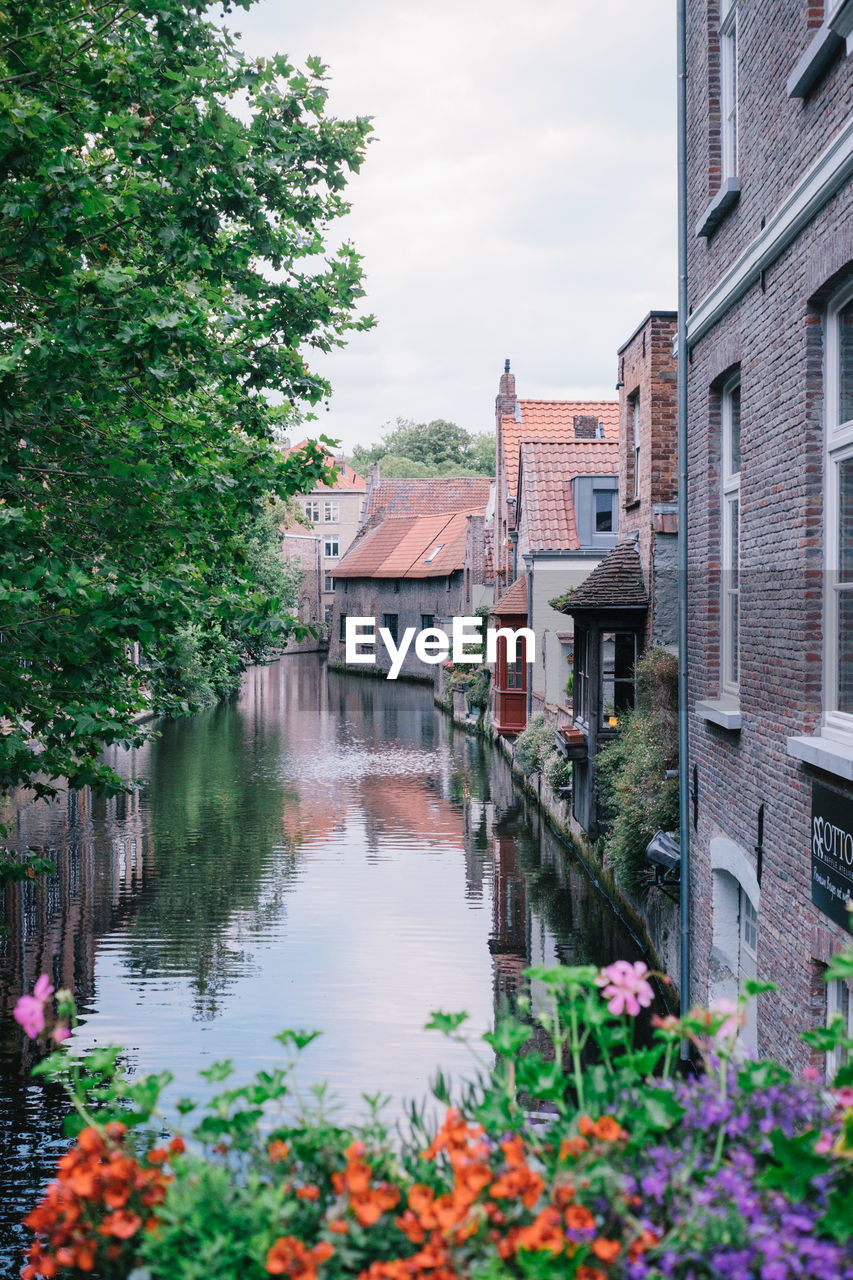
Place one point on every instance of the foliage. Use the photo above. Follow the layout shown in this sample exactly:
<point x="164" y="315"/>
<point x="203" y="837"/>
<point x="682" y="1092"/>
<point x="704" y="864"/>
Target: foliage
<point x="630" y="771"/>
<point x="162" y="271"/>
<point x="438" y="448"/>
<point x="15" y="867"/>
<point x="558" y="771"/>
<point x="478" y="688"/>
<point x="636" y="1173"/>
<point x="531" y="747"/>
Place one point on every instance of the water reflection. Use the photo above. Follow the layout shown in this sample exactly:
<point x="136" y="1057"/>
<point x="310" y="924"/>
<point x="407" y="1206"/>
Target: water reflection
<point x="324" y="852"/>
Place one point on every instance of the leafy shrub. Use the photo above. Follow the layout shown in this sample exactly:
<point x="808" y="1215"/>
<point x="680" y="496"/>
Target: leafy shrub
<point x="478" y="688"/>
<point x="741" y="1171"/>
<point x="558" y="771"/>
<point x="630" y="771"/>
<point x="531" y="746"/>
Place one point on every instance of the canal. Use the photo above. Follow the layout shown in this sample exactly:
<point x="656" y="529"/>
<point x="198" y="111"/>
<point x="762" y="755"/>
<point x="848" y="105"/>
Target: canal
<point x="324" y="852"/>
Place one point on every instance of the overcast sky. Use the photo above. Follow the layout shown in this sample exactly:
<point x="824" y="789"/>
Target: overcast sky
<point x="519" y="199"/>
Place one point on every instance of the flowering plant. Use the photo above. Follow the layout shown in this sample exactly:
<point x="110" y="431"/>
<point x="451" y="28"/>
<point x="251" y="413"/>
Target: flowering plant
<point x="584" y="1150"/>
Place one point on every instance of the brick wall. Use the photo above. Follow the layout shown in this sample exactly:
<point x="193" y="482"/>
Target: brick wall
<point x="409" y="599"/>
<point x="773" y="334"/>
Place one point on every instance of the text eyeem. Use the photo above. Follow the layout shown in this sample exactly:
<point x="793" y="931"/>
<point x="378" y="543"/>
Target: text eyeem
<point x="433" y="645"/>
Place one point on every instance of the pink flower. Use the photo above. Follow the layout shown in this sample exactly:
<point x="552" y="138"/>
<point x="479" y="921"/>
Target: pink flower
<point x="824" y="1144"/>
<point x="733" y="1019"/>
<point x="43" y="989"/>
<point x="29" y="1012"/>
<point x="811" y="1073"/>
<point x="626" y="987"/>
<point x="843" y="1097"/>
<point x="61" y="1032"/>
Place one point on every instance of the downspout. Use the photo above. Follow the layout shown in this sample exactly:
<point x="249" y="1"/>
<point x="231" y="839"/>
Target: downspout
<point x="681" y="385"/>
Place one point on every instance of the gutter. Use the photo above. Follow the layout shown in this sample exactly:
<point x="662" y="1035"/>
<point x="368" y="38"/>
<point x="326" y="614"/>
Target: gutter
<point x="681" y="385"/>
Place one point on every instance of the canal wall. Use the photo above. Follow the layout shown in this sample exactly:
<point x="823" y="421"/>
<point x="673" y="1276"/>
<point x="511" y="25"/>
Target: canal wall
<point x="653" y="920"/>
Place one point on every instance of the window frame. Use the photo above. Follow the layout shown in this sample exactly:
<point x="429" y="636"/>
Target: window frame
<point x="730" y="605"/>
<point x="636" y="443"/>
<point x="838" y="449"/>
<point x="331" y="512"/>
<point x="728" y="91"/>
<point x="327" y="589"/>
<point x="312" y="510"/>
<point x="332" y="542"/>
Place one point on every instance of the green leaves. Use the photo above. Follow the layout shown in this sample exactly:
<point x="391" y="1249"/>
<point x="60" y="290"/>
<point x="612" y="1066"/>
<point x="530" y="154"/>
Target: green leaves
<point x="446" y="1023"/>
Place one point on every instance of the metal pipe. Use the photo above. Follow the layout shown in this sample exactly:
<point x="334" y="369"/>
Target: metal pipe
<point x="681" y="385"/>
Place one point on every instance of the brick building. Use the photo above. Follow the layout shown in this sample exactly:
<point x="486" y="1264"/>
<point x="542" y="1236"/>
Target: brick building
<point x="770" y="421"/>
<point x="336" y="512"/>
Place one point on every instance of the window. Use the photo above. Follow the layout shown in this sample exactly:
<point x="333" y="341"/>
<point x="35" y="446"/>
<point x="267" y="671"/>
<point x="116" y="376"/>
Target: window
<point x="839" y="509"/>
<point x="389" y="622"/>
<point x="618" y="655"/>
<point x="312" y="510"/>
<point x="838" y="1005"/>
<point x="427" y="621"/>
<point x="434" y="553"/>
<point x="329" y="583"/>
<point x="331" y="512"/>
<point x="604" y="511"/>
<point x="635" y="448"/>
<point x="728" y="86"/>
<point x="327" y="614"/>
<point x="342" y="628"/>
<point x="581" y="687"/>
<point x="330" y="548"/>
<point x="515" y="674"/>
<point x="730" y="540"/>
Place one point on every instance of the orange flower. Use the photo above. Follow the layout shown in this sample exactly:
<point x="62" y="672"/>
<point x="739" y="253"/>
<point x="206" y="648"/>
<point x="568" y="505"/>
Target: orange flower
<point x="116" y="1130"/>
<point x="606" y="1250"/>
<point x="572" y="1147"/>
<point x="338" y="1226"/>
<point x="639" y="1246"/>
<point x="122" y="1224"/>
<point x="545" y="1232"/>
<point x="177" y="1146"/>
<point x="589" y="1273"/>
<point x="158" y="1155"/>
<point x="579" y="1218"/>
<point x="607" y="1129"/>
<point x="308" y="1192"/>
<point x="586" y="1125"/>
<point x="289" y="1256"/>
<point x="278" y="1150"/>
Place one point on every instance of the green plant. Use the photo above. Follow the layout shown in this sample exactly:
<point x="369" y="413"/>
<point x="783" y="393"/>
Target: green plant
<point x="631" y="771"/>
<point x="531" y="746"/>
<point x="558" y="771"/>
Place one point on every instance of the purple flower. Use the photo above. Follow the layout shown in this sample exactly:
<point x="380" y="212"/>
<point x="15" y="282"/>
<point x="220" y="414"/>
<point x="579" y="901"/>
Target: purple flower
<point x="29" y="1012"/>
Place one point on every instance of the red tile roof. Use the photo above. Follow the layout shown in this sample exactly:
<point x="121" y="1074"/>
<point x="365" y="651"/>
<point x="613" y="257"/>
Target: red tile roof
<point x="409" y="547"/>
<point x="547" y="470"/>
<point x="348" y="481"/>
<point x="513" y="602"/>
<point x="429" y="497"/>
<point x="553" y="420"/>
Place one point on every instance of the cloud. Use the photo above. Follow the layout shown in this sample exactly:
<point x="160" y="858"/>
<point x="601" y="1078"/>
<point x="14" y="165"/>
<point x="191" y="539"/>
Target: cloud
<point x="519" y="198"/>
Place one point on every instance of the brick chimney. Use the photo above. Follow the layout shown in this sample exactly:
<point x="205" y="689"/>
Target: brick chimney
<point x="586" y="426"/>
<point x="506" y="404"/>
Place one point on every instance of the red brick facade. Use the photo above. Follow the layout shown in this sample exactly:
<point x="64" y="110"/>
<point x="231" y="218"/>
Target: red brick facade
<point x="759" y="286"/>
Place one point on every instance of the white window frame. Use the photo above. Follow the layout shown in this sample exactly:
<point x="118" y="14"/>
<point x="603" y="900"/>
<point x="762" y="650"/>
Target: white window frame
<point x="329" y="584"/>
<point x="331" y="512"/>
<point x="729" y="569"/>
<point x="312" y="510"/>
<point x="839" y="1000"/>
<point x="728" y="89"/>
<point x="327" y="544"/>
<point x="839" y="448"/>
<point x="635" y="423"/>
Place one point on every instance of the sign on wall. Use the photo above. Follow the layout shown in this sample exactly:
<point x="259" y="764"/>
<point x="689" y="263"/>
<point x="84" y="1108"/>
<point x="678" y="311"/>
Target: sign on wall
<point x="832" y="853"/>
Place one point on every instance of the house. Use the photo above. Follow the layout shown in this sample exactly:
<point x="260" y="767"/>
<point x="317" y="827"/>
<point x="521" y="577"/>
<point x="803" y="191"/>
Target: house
<point x="430" y="497"/>
<point x="517" y="421"/>
<point x="335" y="511"/>
<point x="629" y="601"/>
<point x="407" y="571"/>
<point x="304" y="549"/>
<point x="769" y="352"/>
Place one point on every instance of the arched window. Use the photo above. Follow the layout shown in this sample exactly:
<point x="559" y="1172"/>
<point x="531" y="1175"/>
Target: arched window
<point x="734" y="955"/>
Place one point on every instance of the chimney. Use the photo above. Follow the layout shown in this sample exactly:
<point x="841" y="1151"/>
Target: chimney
<point x="586" y="427"/>
<point x="506" y="405"/>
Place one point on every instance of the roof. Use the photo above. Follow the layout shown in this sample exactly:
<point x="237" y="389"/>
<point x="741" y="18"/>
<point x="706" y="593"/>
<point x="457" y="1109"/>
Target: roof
<point x="348" y="481"/>
<point x="547" y="469"/>
<point x="513" y="600"/>
<point x="616" y="582"/>
<point x="409" y="547"/>
<point x="428" y="497"/>
<point x="553" y="420"/>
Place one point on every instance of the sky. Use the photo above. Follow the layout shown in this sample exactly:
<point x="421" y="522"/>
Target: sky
<point x="519" y="199"/>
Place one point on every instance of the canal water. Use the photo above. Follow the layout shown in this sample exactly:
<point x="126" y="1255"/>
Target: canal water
<point x="324" y="852"/>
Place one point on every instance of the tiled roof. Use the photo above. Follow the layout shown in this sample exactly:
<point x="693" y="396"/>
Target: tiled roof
<point x="348" y="481"/>
<point x="429" y="497"/>
<point x="616" y="582"/>
<point x="409" y="547"/>
<point x="513" y="600"/>
<point x="553" y="420"/>
<point x="547" y="470"/>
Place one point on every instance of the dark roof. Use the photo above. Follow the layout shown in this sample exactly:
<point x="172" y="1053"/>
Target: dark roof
<point x="428" y="497"/>
<point x="616" y="582"/>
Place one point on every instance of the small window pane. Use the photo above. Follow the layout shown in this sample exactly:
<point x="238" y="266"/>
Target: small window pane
<point x="734" y="442"/>
<point x="845" y="520"/>
<point x="845" y="349"/>
<point x="604" y="512"/>
<point x="845" y="650"/>
<point x="618" y="652"/>
<point x="734" y="520"/>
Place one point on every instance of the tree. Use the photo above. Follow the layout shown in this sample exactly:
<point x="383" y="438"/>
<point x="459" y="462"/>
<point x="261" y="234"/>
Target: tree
<point x="162" y="268"/>
<point x="428" y="449"/>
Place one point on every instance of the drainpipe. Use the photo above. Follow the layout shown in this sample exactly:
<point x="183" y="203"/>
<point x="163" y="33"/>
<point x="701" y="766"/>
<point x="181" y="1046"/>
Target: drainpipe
<point x="683" y="728"/>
